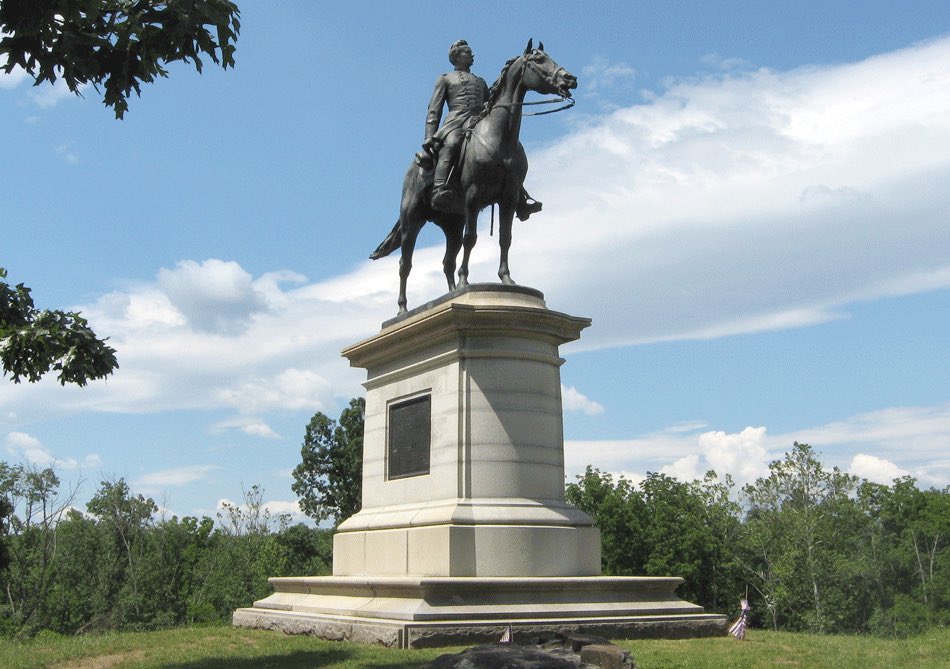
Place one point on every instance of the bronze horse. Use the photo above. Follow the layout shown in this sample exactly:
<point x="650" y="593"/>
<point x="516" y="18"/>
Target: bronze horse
<point x="492" y="168"/>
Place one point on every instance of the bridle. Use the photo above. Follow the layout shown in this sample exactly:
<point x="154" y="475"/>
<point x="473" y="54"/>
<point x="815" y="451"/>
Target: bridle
<point x="526" y="65"/>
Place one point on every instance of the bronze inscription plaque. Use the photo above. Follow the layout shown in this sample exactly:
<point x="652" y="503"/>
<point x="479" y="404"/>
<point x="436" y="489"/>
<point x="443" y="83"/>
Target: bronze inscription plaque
<point x="409" y="434"/>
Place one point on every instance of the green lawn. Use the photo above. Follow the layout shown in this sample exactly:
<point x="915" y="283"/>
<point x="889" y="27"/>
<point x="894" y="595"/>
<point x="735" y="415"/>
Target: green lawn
<point x="231" y="648"/>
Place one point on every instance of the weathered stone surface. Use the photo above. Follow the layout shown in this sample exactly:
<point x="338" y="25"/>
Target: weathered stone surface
<point x="568" y="651"/>
<point x="331" y="629"/>
<point x="508" y="656"/>
<point x="606" y="656"/>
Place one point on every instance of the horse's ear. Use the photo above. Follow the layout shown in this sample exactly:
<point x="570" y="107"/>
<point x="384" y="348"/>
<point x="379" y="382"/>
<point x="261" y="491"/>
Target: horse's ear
<point x="540" y="46"/>
<point x="527" y="49"/>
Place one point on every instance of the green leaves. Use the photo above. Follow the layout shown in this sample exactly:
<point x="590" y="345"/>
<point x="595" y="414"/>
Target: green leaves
<point x="115" y="44"/>
<point x="34" y="343"/>
<point x="329" y="480"/>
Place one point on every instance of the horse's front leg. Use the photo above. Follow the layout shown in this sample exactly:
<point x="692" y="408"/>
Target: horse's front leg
<point x="453" y="244"/>
<point x="506" y="215"/>
<point x="469" y="237"/>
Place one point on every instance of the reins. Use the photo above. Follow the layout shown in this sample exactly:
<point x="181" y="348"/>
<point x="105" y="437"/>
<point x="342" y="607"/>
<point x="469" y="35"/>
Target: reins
<point x="550" y="101"/>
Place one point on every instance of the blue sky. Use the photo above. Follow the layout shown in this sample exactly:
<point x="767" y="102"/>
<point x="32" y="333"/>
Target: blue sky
<point x="749" y="200"/>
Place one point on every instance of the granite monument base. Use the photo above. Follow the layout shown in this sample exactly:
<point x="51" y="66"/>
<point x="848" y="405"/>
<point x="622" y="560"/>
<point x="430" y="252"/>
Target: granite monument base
<point x="464" y="528"/>
<point x="404" y="612"/>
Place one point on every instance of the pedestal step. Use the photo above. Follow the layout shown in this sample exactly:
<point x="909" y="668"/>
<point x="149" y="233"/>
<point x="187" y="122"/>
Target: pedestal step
<point x="412" y="612"/>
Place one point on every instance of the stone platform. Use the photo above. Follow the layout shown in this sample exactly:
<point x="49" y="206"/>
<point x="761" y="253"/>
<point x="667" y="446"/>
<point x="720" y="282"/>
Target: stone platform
<point x="464" y="528"/>
<point x="402" y="612"/>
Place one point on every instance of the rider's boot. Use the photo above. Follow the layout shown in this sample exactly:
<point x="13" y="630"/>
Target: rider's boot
<point x="444" y="199"/>
<point x="526" y="206"/>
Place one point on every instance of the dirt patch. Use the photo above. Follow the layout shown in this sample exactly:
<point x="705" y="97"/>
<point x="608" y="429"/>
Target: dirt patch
<point x="101" y="661"/>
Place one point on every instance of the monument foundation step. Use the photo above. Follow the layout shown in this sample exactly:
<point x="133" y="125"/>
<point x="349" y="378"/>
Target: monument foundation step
<point x="414" y="612"/>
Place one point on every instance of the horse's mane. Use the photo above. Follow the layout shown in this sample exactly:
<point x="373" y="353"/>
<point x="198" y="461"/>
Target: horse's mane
<point x="495" y="90"/>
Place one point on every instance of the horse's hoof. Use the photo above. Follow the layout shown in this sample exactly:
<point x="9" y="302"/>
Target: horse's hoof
<point x="508" y="281"/>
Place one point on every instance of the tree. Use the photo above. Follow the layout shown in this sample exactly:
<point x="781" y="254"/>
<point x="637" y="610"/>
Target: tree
<point x="30" y="536"/>
<point x="116" y="44"/>
<point x="309" y="550"/>
<point x="795" y="526"/>
<point x="906" y="538"/>
<point x="126" y="520"/>
<point x="243" y="553"/>
<point x="721" y="578"/>
<point x="6" y="511"/>
<point x="329" y="480"/>
<point x="621" y="515"/>
<point x="34" y="342"/>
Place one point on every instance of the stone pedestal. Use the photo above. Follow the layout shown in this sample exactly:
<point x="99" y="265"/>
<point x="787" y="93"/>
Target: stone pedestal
<point x="464" y="527"/>
<point x="487" y="496"/>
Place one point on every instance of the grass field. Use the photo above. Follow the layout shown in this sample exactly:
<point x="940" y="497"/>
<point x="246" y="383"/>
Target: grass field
<point x="231" y="648"/>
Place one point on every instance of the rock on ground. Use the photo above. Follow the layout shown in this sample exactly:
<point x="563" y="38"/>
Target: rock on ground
<point x="562" y="651"/>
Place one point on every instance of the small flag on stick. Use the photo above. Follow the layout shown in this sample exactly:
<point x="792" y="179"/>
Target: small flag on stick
<point x="738" y="628"/>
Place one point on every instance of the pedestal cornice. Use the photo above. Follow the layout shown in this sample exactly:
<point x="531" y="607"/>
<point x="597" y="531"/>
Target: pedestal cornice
<point x="480" y="309"/>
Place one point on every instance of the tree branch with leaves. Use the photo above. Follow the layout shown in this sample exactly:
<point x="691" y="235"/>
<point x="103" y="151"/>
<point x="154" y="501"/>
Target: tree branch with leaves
<point x="35" y="342"/>
<point x="329" y="480"/>
<point x="114" y="44"/>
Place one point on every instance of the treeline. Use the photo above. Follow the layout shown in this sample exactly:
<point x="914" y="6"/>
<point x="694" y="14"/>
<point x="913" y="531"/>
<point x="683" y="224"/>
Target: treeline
<point x="121" y="566"/>
<point x="812" y="549"/>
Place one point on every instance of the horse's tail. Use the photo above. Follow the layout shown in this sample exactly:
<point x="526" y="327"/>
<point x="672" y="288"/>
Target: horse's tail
<point x="392" y="242"/>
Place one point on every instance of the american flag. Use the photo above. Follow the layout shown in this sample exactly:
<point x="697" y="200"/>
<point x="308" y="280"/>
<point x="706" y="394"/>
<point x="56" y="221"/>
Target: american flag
<point x="738" y="628"/>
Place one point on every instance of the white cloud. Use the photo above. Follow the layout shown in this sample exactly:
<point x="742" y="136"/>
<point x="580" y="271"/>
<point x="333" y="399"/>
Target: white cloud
<point x="251" y="426"/>
<point x="915" y="440"/>
<point x="66" y="152"/>
<point x="290" y="389"/>
<point x="879" y="446"/>
<point x="29" y="448"/>
<point x="14" y="78"/>
<point x="635" y="456"/>
<point x="573" y="400"/>
<point x="174" y="477"/>
<point x="274" y="507"/>
<point x="751" y="202"/>
<point x="719" y="62"/>
<point x="214" y="296"/>
<point x="49" y="95"/>
<point x="31" y="451"/>
<point x="283" y="506"/>
<point x="686" y="468"/>
<point x="875" y="469"/>
<point x="605" y="82"/>
<point x="743" y="455"/>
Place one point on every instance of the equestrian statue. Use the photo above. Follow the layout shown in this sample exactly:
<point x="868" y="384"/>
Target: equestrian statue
<point x="473" y="160"/>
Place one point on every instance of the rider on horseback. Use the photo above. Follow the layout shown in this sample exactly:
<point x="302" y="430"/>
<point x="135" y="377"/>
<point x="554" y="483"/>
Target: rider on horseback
<point x="465" y="95"/>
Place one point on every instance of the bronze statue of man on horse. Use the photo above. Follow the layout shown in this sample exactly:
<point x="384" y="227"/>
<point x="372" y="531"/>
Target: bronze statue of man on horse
<point x="465" y="95"/>
<point x="474" y="160"/>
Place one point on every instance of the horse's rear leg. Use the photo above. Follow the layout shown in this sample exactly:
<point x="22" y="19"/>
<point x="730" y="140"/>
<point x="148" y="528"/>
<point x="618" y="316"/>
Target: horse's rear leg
<point x="409" y="234"/>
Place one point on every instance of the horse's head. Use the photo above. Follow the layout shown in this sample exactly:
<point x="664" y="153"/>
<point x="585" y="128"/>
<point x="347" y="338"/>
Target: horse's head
<point x="543" y="75"/>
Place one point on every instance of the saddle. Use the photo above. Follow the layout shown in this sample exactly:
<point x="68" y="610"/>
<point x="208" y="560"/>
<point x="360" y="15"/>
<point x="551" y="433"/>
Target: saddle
<point x="451" y="201"/>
